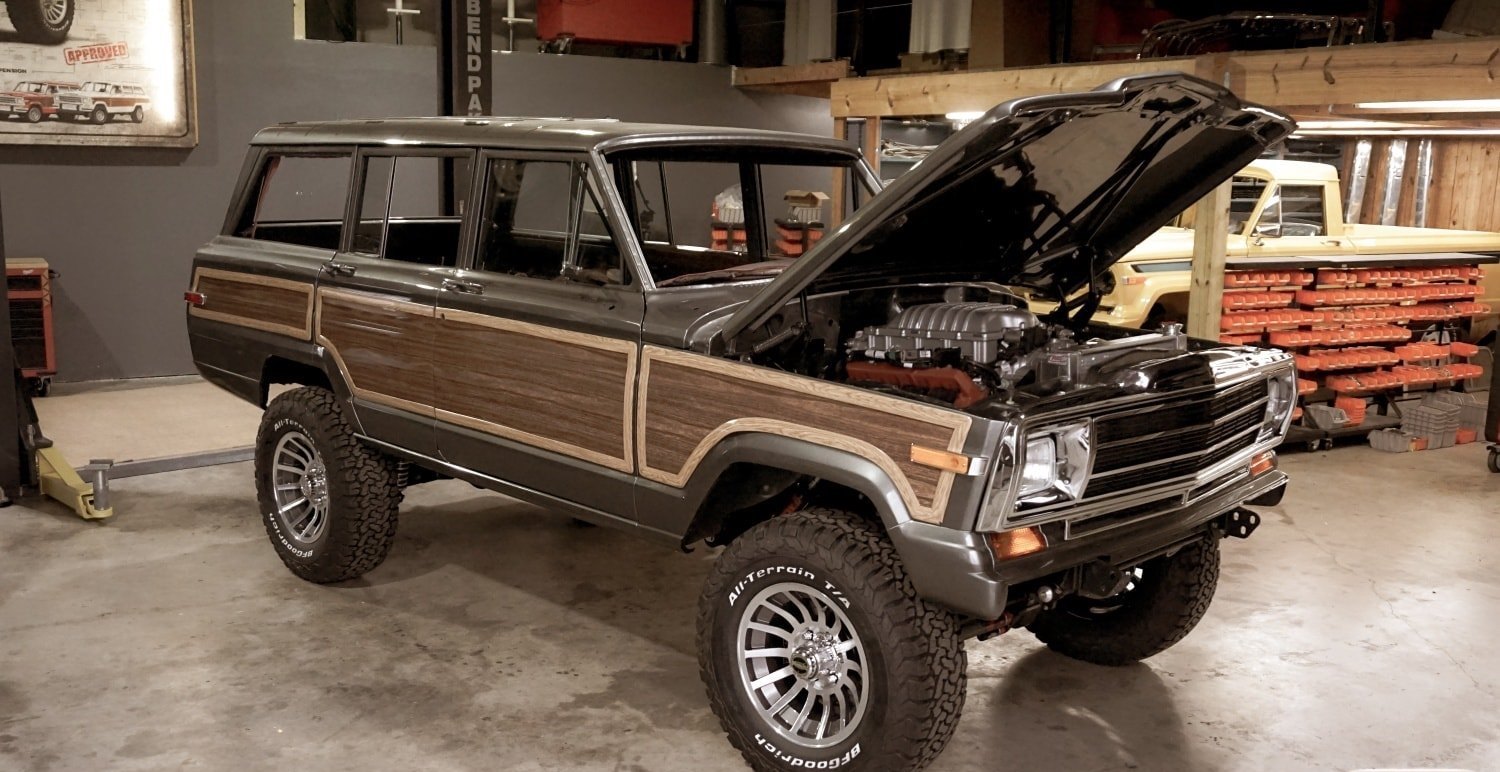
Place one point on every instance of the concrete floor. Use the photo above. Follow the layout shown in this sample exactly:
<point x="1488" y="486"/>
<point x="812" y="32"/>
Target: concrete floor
<point x="1356" y="629"/>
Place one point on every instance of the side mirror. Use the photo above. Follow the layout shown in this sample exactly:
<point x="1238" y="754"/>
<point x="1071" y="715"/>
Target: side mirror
<point x="1268" y="230"/>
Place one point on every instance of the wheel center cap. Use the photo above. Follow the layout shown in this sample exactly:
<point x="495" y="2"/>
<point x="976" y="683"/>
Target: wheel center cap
<point x="818" y="659"/>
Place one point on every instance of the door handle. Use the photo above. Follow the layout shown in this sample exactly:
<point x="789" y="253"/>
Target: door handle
<point x="339" y="269"/>
<point x="466" y="287"/>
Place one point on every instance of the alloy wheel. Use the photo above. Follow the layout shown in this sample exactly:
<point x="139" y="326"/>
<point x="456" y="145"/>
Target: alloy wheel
<point x="301" y="488"/>
<point x="802" y="665"/>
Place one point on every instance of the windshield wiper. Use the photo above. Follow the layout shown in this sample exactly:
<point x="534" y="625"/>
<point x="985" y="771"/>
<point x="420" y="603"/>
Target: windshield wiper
<point x="748" y="270"/>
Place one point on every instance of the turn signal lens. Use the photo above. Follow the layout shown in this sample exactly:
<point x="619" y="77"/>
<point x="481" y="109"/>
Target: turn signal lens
<point x="1014" y="544"/>
<point x="1262" y="463"/>
<point x="194" y="298"/>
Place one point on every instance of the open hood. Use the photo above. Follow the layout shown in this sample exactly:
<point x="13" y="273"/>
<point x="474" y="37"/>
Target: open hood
<point x="1043" y="192"/>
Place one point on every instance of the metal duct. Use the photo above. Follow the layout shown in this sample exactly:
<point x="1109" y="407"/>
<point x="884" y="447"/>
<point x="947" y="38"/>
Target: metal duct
<point x="1359" y="176"/>
<point x="713" y="32"/>
<point x="1424" y="181"/>
<point x="1395" y="171"/>
<point x="939" y="25"/>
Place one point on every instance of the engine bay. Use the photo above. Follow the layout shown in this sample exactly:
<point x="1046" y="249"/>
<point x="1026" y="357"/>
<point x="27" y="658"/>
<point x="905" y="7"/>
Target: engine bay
<point x="961" y="345"/>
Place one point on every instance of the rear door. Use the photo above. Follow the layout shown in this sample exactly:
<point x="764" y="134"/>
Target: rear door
<point x="376" y="296"/>
<point x="538" y="337"/>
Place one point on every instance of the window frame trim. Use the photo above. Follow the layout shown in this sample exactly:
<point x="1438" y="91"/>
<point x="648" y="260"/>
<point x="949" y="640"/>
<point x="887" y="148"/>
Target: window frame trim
<point x="586" y="162"/>
<point x="356" y="197"/>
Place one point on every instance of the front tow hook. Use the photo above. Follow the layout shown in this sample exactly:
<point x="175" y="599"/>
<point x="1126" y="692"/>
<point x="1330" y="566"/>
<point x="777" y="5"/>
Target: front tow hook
<point x="1239" y="523"/>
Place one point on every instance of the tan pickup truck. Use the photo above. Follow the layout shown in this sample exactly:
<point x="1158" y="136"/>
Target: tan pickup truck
<point x="1278" y="209"/>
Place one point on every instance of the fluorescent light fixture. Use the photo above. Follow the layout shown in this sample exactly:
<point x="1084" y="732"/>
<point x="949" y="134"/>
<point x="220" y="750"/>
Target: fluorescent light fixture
<point x="1435" y="106"/>
<point x="965" y="116"/>
<point x="1411" y="132"/>
<point x="1350" y="124"/>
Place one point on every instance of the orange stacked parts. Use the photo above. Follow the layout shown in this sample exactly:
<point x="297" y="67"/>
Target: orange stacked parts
<point x="1354" y="407"/>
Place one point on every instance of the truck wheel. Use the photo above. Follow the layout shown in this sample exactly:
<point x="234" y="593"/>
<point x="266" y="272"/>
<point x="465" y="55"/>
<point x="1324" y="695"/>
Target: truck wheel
<point x="100" y="115"/>
<point x="328" y="501"/>
<point x="138" y="114"/>
<point x="818" y="654"/>
<point x="1164" y="602"/>
<point x="34" y="115"/>
<point x="41" y="21"/>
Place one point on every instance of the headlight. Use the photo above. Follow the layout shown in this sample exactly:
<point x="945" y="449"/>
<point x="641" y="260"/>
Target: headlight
<point x="1053" y="467"/>
<point x="1281" y="393"/>
<point x="1040" y="472"/>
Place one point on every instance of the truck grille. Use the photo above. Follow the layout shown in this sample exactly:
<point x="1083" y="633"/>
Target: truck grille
<point x="70" y="99"/>
<point x="1141" y="448"/>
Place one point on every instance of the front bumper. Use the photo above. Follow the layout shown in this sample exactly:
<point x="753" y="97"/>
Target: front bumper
<point x="957" y="569"/>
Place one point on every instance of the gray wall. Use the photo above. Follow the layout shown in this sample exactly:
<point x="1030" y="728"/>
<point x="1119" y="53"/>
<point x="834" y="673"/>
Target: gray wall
<point x="121" y="225"/>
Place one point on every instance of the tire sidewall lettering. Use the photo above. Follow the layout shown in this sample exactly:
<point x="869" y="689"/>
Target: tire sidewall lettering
<point x="279" y="428"/>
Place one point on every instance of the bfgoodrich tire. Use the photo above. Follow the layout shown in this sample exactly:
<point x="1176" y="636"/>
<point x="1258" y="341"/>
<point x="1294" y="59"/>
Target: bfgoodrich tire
<point x="1167" y="598"/>
<point x="328" y="501"/>
<point x="818" y="654"/>
<point x="41" y="21"/>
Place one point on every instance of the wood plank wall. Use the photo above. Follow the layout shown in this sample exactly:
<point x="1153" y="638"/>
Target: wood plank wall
<point x="1465" y="191"/>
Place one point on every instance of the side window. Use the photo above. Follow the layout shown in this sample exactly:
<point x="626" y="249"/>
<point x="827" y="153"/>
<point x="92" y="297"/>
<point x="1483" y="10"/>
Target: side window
<point x="1302" y="211"/>
<point x="298" y="199"/>
<point x="400" y="215"/>
<point x="529" y="217"/>
<point x="1244" y="194"/>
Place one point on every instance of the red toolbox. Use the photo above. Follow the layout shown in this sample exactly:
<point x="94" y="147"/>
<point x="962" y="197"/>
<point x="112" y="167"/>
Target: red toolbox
<point x="621" y="22"/>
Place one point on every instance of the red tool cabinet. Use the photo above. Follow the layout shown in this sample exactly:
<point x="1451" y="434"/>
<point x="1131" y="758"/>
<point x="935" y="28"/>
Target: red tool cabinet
<point x="620" y="22"/>
<point x="30" y="286"/>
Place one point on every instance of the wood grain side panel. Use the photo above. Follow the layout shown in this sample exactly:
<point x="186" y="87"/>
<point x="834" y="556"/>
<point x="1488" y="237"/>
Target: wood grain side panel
<point x="691" y="402"/>
<point x="259" y="302"/>
<point x="384" y="346"/>
<point x="567" y="392"/>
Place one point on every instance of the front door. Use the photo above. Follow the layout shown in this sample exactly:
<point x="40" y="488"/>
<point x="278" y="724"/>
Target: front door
<point x="376" y="299"/>
<point x="1294" y="221"/>
<point x="537" y="340"/>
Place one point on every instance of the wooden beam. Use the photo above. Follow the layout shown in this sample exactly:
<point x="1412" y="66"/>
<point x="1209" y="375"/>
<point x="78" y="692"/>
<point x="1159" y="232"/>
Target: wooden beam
<point x="949" y="92"/>
<point x="840" y="178"/>
<point x="1210" y="249"/>
<point x="811" y="79"/>
<point x="1344" y="75"/>
<point x="871" y="144"/>
<point x="1379" y="72"/>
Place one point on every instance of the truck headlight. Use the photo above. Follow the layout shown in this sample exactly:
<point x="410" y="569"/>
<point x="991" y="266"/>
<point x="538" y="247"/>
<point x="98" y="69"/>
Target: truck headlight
<point x="1053" y="466"/>
<point x="1281" y="398"/>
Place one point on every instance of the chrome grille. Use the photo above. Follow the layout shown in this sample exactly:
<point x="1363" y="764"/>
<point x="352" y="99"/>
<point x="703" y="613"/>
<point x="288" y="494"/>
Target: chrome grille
<point x="10" y="100"/>
<point x="1174" y="440"/>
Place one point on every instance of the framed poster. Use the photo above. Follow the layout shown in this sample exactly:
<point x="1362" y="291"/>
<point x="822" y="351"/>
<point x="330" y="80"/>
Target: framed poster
<point x="97" y="72"/>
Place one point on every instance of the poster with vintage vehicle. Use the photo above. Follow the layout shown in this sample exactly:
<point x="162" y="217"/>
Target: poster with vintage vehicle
<point x="112" y="72"/>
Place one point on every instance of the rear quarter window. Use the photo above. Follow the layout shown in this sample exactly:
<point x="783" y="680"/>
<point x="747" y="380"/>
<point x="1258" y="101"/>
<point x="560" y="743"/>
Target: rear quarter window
<point x="298" y="198"/>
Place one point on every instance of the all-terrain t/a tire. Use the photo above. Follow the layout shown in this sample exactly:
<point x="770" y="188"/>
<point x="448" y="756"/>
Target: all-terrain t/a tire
<point x="1163" y="604"/>
<point x="328" y="501"/>
<point x="41" y="21"/>
<point x="818" y="654"/>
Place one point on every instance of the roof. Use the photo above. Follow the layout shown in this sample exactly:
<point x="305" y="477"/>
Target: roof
<point x="1296" y="170"/>
<point x="575" y="134"/>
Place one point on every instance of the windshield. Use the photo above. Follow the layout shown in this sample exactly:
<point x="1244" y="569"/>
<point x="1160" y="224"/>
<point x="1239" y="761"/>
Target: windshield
<point x="29" y="87"/>
<point x="98" y="88"/>
<point x="706" y="215"/>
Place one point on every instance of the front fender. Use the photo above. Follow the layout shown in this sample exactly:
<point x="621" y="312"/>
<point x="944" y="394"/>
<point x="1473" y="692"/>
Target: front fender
<point x="946" y="565"/>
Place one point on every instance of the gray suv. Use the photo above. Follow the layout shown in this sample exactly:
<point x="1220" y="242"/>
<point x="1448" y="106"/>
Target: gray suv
<point x="671" y="329"/>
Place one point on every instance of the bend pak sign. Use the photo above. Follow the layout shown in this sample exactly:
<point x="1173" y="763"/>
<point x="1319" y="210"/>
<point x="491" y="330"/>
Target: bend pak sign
<point x="472" y="68"/>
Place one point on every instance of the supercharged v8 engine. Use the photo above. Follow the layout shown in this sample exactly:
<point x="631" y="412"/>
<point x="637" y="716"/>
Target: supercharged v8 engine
<point x="966" y="352"/>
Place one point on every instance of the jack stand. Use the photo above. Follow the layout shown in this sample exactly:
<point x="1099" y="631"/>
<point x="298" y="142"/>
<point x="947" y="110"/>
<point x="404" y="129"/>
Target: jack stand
<point x="59" y="481"/>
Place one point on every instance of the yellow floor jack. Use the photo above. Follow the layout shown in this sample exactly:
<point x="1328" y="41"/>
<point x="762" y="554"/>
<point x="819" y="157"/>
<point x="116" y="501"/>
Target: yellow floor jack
<point x="50" y="472"/>
<point x="60" y="481"/>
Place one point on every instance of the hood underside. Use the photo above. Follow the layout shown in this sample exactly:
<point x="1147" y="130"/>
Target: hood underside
<point x="1044" y="192"/>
